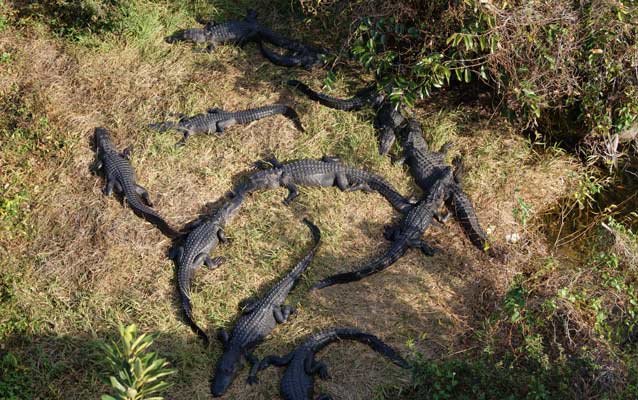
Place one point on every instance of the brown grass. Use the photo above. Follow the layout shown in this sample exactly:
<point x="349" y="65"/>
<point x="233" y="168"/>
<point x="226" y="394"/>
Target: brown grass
<point x="89" y="262"/>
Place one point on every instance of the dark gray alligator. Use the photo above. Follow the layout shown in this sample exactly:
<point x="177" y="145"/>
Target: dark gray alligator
<point x="260" y="316"/>
<point x="367" y="97"/>
<point x="228" y="32"/>
<point x="236" y="32"/>
<point x="323" y="173"/>
<point x="195" y="250"/>
<point x="307" y="58"/>
<point x="403" y="236"/>
<point x="217" y="120"/>
<point x="428" y="166"/>
<point x="120" y="176"/>
<point x="298" y="380"/>
<point x="387" y="120"/>
<point x="463" y="211"/>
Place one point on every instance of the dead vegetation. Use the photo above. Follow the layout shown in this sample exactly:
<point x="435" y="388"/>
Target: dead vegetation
<point x="76" y="263"/>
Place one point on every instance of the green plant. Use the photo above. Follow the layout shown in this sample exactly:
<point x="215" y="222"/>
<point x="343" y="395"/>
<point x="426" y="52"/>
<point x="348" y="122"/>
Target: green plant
<point x="522" y="211"/>
<point x="14" y="378"/>
<point x="136" y="373"/>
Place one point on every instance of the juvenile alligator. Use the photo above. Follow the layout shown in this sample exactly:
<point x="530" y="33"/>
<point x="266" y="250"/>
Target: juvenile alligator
<point x="235" y="32"/>
<point x="259" y="319"/>
<point x="195" y="250"/>
<point x="120" y="176"/>
<point x="323" y="173"/>
<point x="298" y="380"/>
<point x="404" y="236"/>
<point x="306" y="58"/>
<point x="228" y="32"/>
<point x="463" y="210"/>
<point x="217" y="120"/>
<point x="368" y="96"/>
<point x="428" y="166"/>
<point x="387" y="120"/>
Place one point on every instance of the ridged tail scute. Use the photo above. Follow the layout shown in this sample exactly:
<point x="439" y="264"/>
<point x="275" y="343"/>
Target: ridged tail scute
<point x="352" y="104"/>
<point x="150" y="215"/>
<point x="326" y="337"/>
<point x="188" y="315"/>
<point x="396" y="251"/>
<point x="276" y="58"/>
<point x="386" y="190"/>
<point x="163" y="126"/>
<point x="299" y="269"/>
<point x="255" y="114"/>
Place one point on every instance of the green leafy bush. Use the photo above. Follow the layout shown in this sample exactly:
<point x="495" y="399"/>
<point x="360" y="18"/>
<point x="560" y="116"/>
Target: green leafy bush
<point x="136" y="373"/>
<point x="564" y="69"/>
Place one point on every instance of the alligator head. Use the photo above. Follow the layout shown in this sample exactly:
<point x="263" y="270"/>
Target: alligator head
<point x="261" y="180"/>
<point x="195" y="35"/>
<point x="225" y="372"/>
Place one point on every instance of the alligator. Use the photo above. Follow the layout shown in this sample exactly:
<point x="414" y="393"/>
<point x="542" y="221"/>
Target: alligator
<point x="258" y="320"/>
<point x="427" y="167"/>
<point x="235" y="32"/>
<point x="387" y="120"/>
<point x="298" y="380"/>
<point x="228" y="32"/>
<point x="306" y="58"/>
<point x="328" y="171"/>
<point x="217" y="120"/>
<point x="206" y="233"/>
<point x="463" y="210"/>
<point x="368" y="96"/>
<point x="120" y="177"/>
<point x="403" y="236"/>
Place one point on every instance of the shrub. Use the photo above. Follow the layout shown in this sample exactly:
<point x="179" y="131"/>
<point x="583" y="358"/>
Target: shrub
<point x="565" y="69"/>
<point x="136" y="373"/>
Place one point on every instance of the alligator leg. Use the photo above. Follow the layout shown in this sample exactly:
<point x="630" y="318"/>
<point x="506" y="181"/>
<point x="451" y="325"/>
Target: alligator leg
<point x="247" y="305"/>
<point x="223" y="124"/>
<point x="126" y="153"/>
<point x="390" y="232"/>
<point x="442" y="218"/>
<point x="223" y="337"/>
<point x="108" y="189"/>
<point x="334" y="159"/>
<point x="212" y="263"/>
<point x="118" y="187"/>
<point x="424" y="247"/>
<point x="254" y="365"/>
<point x="324" y="397"/>
<point x="271" y="360"/>
<point x="96" y="166"/>
<point x="282" y="313"/>
<point x="183" y="140"/>
<point x="312" y="367"/>
<point x="222" y="236"/>
<point x="213" y="110"/>
<point x="143" y="193"/>
<point x="176" y="253"/>
<point x="293" y="192"/>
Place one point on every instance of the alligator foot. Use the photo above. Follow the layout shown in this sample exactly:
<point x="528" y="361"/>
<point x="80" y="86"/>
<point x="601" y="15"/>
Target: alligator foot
<point x="212" y="263"/>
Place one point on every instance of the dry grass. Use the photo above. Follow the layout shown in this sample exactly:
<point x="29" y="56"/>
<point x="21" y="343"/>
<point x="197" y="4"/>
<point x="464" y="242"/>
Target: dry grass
<point x="85" y="262"/>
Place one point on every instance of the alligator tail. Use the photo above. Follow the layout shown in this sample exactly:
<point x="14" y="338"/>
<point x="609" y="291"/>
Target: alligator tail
<point x="188" y="314"/>
<point x="351" y="104"/>
<point x="278" y="59"/>
<point x="326" y="337"/>
<point x="396" y="251"/>
<point x="150" y="215"/>
<point x="464" y="213"/>
<point x="163" y="126"/>
<point x="296" y="272"/>
<point x="386" y="190"/>
<point x="244" y="117"/>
